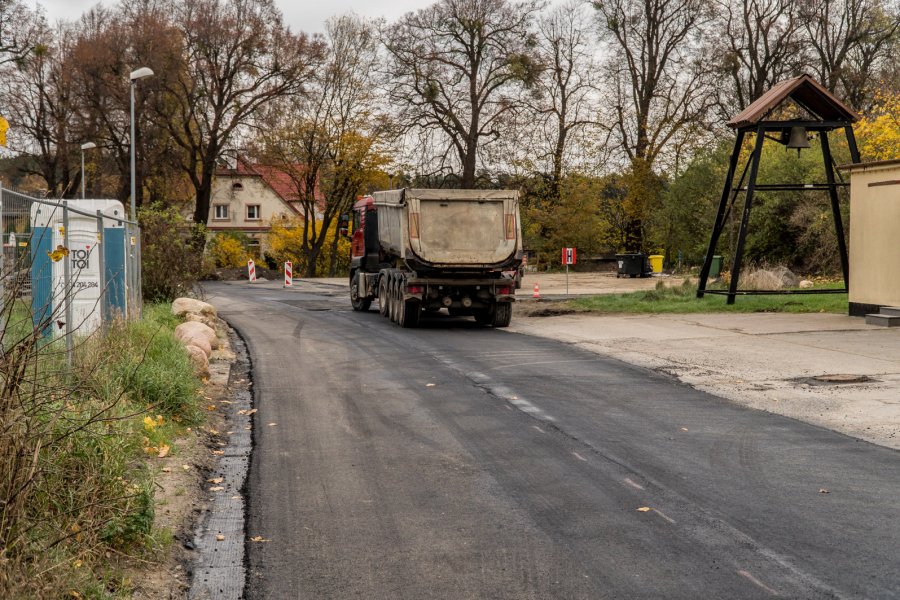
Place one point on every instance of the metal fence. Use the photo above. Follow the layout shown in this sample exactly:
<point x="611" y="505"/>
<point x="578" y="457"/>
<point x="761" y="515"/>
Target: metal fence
<point x="22" y="244"/>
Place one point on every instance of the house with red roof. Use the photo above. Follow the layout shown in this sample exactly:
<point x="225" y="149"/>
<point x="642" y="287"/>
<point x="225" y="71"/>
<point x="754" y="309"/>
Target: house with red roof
<point x="246" y="197"/>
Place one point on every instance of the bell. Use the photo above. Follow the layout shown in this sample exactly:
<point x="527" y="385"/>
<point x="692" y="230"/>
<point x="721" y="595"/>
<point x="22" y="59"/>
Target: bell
<point x="798" y="139"/>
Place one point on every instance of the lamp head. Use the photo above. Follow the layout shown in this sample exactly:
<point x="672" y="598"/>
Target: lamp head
<point x="141" y="73"/>
<point x="88" y="145"/>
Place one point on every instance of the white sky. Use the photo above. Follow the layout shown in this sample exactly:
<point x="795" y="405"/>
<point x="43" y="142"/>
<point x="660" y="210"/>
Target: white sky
<point x="300" y="15"/>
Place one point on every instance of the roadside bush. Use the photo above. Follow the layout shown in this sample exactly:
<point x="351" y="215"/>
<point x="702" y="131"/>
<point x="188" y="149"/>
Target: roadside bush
<point x="286" y="243"/>
<point x="76" y="488"/>
<point x="170" y="260"/>
<point x="228" y="250"/>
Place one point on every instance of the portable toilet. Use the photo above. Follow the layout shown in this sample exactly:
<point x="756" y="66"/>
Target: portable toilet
<point x="48" y="275"/>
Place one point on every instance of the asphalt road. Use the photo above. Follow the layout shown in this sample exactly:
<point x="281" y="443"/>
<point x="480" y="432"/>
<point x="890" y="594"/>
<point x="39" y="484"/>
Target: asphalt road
<point x="454" y="461"/>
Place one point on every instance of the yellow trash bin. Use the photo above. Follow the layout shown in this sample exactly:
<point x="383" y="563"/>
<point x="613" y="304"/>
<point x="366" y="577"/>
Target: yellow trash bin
<point x="656" y="262"/>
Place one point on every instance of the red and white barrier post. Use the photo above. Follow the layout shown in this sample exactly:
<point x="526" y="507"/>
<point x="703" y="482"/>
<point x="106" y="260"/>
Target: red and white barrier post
<point x="251" y="271"/>
<point x="288" y="274"/>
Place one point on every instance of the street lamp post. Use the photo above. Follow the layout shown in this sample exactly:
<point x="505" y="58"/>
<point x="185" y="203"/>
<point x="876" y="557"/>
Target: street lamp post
<point x="85" y="146"/>
<point x="135" y="75"/>
<point x="134" y="255"/>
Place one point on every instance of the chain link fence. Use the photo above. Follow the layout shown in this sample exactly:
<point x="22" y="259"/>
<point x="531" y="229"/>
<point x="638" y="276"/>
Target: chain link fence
<point x="69" y="279"/>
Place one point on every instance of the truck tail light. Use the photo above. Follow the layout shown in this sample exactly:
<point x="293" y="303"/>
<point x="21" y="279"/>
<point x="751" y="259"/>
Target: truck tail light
<point x="414" y="225"/>
<point x="510" y="227"/>
<point x="503" y="291"/>
<point x="415" y="289"/>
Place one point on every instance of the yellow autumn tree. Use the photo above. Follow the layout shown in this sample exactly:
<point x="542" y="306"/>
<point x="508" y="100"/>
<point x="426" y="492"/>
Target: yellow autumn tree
<point x="285" y="242"/>
<point x="4" y="127"/>
<point x="228" y="251"/>
<point x="878" y="132"/>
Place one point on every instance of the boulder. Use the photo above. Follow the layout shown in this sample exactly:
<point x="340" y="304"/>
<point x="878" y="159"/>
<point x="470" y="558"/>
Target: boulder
<point x="198" y="341"/>
<point x="205" y="319"/>
<point x="199" y="359"/>
<point x="183" y="306"/>
<point x="806" y="284"/>
<point x="195" y="328"/>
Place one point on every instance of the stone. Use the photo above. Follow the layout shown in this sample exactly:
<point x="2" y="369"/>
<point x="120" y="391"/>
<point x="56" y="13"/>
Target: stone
<point x="183" y="306"/>
<point x="193" y="328"/>
<point x="199" y="360"/>
<point x="198" y="341"/>
<point x="205" y="319"/>
<point x="806" y="284"/>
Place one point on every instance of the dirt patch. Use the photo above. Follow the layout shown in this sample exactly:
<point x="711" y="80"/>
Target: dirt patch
<point x="181" y="484"/>
<point x="544" y="308"/>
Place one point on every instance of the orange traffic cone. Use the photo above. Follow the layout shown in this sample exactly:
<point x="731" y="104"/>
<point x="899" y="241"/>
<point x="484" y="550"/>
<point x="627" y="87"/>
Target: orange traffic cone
<point x="537" y="292"/>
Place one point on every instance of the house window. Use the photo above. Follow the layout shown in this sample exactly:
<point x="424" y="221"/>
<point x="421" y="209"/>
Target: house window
<point x="237" y="186"/>
<point x="221" y="212"/>
<point x="253" y="212"/>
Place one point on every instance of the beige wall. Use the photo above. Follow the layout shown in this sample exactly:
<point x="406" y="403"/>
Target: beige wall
<point x="255" y="192"/>
<point x="875" y="234"/>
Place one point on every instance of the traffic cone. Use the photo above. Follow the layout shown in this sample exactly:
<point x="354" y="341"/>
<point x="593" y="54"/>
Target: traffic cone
<point x="537" y="292"/>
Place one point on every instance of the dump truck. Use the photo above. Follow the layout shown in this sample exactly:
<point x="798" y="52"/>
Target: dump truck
<point x="423" y="250"/>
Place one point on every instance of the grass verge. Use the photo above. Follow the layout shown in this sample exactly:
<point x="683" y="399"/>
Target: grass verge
<point x="683" y="299"/>
<point x="77" y="492"/>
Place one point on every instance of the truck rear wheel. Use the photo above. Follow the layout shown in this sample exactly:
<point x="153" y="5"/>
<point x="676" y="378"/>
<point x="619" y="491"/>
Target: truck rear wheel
<point x="393" y="303"/>
<point x="356" y="301"/>
<point x="383" y="302"/>
<point x="502" y="314"/>
<point x="409" y="314"/>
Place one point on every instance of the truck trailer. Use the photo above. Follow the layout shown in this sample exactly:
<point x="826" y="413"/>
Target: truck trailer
<point x="423" y="250"/>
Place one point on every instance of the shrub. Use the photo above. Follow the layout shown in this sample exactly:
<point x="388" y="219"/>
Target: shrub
<point x="228" y="251"/>
<point x="170" y="260"/>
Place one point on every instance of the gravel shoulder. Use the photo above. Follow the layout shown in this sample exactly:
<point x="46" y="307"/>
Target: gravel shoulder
<point x="780" y="363"/>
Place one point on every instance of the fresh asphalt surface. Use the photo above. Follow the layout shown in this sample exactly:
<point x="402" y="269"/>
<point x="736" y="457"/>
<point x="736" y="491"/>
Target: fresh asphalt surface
<point x="454" y="461"/>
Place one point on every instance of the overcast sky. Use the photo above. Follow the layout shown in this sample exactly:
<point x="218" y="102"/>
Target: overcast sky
<point x="301" y="15"/>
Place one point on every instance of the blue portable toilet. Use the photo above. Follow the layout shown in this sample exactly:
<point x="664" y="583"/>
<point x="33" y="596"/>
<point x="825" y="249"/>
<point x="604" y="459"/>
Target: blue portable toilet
<point x="47" y="275"/>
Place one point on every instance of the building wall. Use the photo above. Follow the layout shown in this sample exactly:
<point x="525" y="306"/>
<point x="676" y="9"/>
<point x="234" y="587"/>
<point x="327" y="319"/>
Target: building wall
<point x="874" y="236"/>
<point x="255" y="192"/>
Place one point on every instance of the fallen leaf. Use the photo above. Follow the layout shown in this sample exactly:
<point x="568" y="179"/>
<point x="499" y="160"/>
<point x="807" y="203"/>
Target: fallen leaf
<point x="218" y="452"/>
<point x="216" y="480"/>
<point x="824" y="491"/>
<point x="163" y="451"/>
<point x="429" y="385"/>
<point x="186" y="467"/>
<point x="644" y="509"/>
<point x="217" y="488"/>
<point x="211" y="407"/>
<point x="258" y="538"/>
<point x="166" y="470"/>
<point x="235" y="497"/>
<point x="220" y="538"/>
<point x="684" y="428"/>
<point x="151" y="449"/>
<point x="251" y="411"/>
<point x="272" y="424"/>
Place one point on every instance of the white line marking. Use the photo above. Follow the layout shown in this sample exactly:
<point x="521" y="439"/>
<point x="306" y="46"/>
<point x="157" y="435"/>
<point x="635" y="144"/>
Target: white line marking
<point x="542" y="362"/>
<point x="579" y="457"/>
<point x="636" y="486"/>
<point x="757" y="582"/>
<point x="538" y="428"/>
<point x="664" y="516"/>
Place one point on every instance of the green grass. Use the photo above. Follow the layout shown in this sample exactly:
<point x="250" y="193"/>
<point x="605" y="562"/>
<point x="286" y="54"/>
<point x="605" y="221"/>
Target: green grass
<point x="683" y="299"/>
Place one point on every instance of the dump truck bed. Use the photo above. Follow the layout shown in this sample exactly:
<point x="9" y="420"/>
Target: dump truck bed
<point x="450" y="228"/>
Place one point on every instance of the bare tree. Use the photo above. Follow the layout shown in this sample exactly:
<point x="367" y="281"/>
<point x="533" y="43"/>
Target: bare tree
<point x="456" y="68"/>
<point x="658" y="88"/>
<point x="761" y="45"/>
<point x="327" y="140"/>
<point x="110" y="44"/>
<point x="239" y="58"/>
<point x="19" y="30"/>
<point x="36" y="92"/>
<point x="566" y="91"/>
<point x="850" y="39"/>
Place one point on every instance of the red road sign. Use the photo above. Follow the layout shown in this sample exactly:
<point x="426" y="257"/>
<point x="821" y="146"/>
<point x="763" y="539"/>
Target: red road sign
<point x="568" y="256"/>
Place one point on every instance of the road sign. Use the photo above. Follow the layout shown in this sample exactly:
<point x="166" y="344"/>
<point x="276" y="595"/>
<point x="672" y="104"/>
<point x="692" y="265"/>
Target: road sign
<point x="568" y="256"/>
